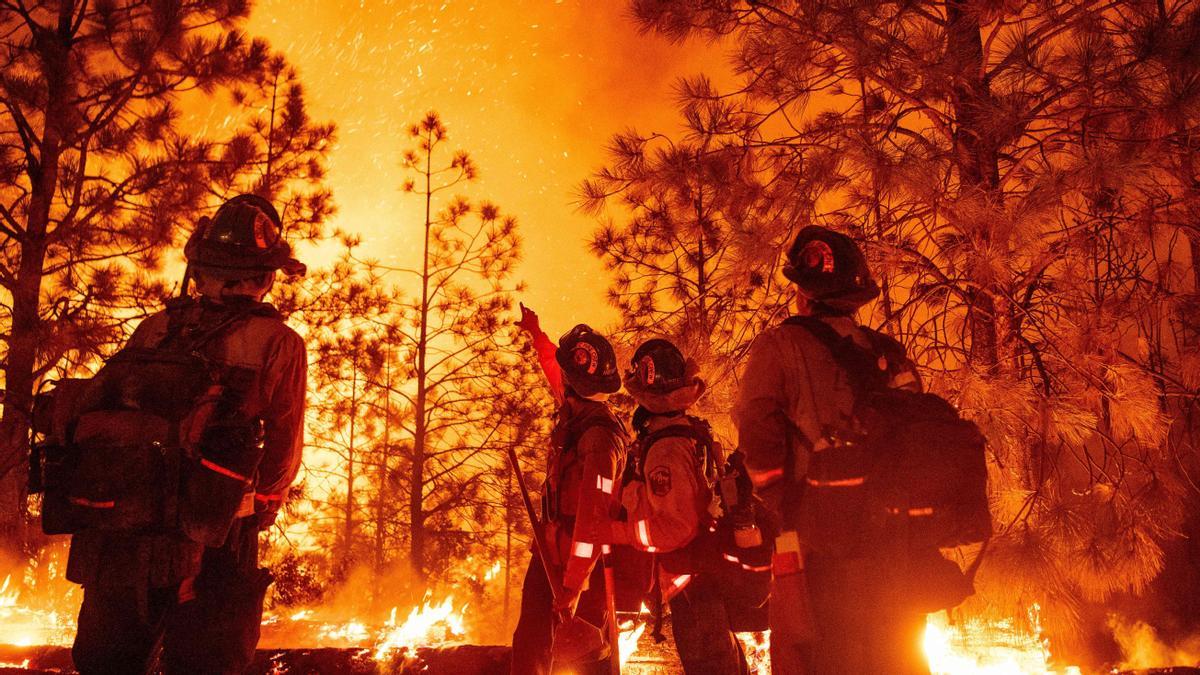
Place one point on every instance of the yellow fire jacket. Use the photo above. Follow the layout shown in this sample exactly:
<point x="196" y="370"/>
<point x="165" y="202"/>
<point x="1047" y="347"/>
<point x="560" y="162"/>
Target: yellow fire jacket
<point x="276" y="358"/>
<point x="666" y="509"/>
<point x="276" y="355"/>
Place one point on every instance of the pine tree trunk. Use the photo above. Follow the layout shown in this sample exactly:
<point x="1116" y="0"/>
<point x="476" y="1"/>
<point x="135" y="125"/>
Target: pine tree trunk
<point x="25" y="331"/>
<point x="416" y="501"/>
<point x="976" y="160"/>
<point x="348" y="512"/>
<point x="508" y="527"/>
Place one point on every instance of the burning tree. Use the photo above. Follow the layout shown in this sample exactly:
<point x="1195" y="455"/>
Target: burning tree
<point x="1004" y="165"/>
<point x="100" y="169"/>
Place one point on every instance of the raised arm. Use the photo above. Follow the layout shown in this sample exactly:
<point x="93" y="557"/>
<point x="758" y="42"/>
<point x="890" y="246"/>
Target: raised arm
<point x="545" y="350"/>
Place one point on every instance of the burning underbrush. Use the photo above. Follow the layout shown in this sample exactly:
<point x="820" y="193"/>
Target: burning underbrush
<point x="38" y="608"/>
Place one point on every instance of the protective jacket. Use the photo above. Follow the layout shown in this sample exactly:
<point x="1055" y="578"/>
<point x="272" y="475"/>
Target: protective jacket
<point x="791" y="393"/>
<point x="270" y="363"/>
<point x="667" y="506"/>
<point x="588" y="447"/>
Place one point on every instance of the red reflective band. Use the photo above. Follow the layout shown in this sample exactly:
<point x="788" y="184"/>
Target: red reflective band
<point x="258" y="496"/>
<point x="924" y="511"/>
<point x="761" y="478"/>
<point x="730" y="558"/>
<point x="80" y="501"/>
<point x="604" y="485"/>
<point x="643" y="533"/>
<point x="843" y="482"/>
<point x="788" y="562"/>
<point x="222" y="470"/>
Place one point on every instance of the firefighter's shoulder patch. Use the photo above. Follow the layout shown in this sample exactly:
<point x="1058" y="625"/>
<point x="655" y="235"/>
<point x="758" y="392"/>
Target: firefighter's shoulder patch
<point x="660" y="480"/>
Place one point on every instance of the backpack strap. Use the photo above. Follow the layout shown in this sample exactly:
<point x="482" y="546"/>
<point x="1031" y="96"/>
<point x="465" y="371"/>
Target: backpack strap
<point x="868" y="369"/>
<point x="192" y="342"/>
<point x="695" y="430"/>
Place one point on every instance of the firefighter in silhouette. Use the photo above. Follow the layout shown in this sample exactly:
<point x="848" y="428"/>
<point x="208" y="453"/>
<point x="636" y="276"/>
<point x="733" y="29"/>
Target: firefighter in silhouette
<point x="829" y="613"/>
<point x="165" y="543"/>
<point x="587" y="455"/>
<point x="669" y="510"/>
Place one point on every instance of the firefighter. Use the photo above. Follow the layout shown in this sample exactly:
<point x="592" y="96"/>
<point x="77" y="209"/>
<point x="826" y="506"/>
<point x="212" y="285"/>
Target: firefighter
<point x="843" y="620"/>
<point x="668" y="507"/>
<point x="203" y="604"/>
<point x="587" y="455"/>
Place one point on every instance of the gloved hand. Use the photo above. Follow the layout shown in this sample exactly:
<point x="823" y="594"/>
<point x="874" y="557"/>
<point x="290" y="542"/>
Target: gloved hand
<point x="564" y="607"/>
<point x="529" y="321"/>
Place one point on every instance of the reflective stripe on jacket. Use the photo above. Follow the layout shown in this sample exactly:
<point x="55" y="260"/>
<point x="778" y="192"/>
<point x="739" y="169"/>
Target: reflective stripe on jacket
<point x="666" y="507"/>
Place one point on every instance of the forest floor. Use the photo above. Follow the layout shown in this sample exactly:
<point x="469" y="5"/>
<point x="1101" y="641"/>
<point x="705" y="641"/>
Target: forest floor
<point x="650" y="659"/>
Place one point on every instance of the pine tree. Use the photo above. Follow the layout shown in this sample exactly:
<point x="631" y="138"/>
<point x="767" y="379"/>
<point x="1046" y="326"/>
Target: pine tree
<point x="454" y="346"/>
<point x="101" y="174"/>
<point x="1002" y="164"/>
<point x="686" y="221"/>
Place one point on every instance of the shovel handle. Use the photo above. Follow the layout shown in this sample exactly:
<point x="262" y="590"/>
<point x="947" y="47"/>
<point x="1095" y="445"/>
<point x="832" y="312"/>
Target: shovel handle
<point x="614" y="630"/>
<point x="540" y="545"/>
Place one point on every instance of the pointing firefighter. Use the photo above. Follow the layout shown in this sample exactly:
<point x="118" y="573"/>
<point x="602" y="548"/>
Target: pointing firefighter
<point x="853" y="573"/>
<point x="563" y="602"/>
<point x="167" y="465"/>
<point x="669" y="510"/>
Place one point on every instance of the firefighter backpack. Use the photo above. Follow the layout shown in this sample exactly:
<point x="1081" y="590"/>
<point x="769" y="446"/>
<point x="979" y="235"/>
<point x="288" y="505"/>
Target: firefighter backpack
<point x="908" y="473"/>
<point x="743" y="570"/>
<point x="151" y="444"/>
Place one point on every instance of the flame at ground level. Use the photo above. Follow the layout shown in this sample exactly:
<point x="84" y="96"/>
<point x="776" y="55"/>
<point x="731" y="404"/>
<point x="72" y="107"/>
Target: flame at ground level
<point x="976" y="646"/>
<point x="24" y="625"/>
<point x="44" y="614"/>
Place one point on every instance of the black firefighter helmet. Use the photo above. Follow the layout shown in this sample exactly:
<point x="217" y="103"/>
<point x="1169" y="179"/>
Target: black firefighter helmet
<point x="588" y="362"/>
<point x="244" y="239"/>
<point x="830" y="269"/>
<point x="659" y="367"/>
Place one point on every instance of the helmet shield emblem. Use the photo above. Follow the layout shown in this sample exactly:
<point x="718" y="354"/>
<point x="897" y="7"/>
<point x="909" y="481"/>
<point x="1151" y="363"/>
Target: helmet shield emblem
<point x="646" y="371"/>
<point x="818" y="256"/>
<point x="586" y="357"/>
<point x="266" y="234"/>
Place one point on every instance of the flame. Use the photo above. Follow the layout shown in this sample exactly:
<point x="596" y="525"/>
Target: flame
<point x="429" y="624"/>
<point x="977" y="646"/>
<point x="630" y="632"/>
<point x="493" y="572"/>
<point x="425" y="626"/>
<point x="26" y="625"/>
<point x="757" y="648"/>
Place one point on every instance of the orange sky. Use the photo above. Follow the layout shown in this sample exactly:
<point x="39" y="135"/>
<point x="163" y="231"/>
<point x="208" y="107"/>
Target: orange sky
<point x="533" y="89"/>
